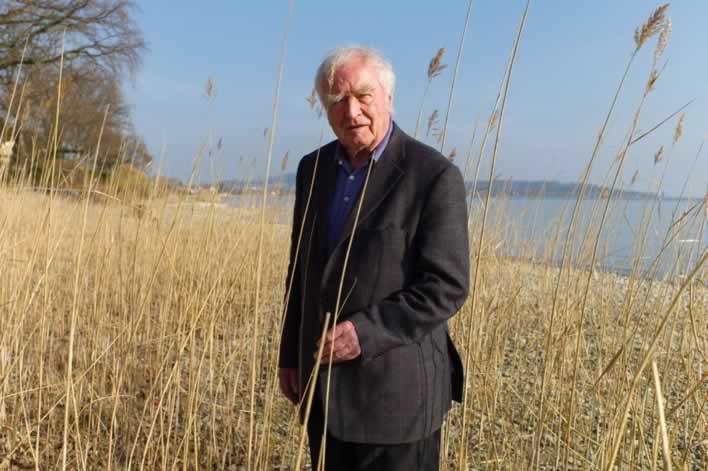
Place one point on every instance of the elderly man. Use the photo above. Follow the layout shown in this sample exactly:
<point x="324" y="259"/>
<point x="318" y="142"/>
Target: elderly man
<point x="395" y="370"/>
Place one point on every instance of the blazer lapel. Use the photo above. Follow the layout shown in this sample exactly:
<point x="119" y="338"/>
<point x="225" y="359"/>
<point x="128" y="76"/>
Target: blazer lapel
<point x="326" y="180"/>
<point x="382" y="179"/>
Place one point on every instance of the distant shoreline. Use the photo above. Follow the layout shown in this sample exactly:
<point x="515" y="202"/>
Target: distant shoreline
<point x="536" y="189"/>
<point x="276" y="192"/>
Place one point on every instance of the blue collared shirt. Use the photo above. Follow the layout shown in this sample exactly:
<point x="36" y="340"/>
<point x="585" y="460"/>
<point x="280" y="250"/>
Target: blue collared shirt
<point x="347" y="188"/>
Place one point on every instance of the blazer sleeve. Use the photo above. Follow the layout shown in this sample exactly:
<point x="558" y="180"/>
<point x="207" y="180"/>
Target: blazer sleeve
<point x="441" y="282"/>
<point x="291" y="325"/>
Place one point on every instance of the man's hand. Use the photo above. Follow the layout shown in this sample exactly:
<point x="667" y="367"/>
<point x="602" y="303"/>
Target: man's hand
<point x="343" y="340"/>
<point x="288" y="384"/>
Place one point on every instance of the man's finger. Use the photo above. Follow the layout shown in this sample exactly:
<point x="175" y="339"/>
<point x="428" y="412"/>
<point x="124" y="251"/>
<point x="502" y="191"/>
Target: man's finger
<point x="342" y="351"/>
<point x="329" y="336"/>
<point x="330" y="350"/>
<point x="329" y="344"/>
<point x="326" y="352"/>
<point x="337" y="331"/>
<point x="325" y="348"/>
<point x="342" y="329"/>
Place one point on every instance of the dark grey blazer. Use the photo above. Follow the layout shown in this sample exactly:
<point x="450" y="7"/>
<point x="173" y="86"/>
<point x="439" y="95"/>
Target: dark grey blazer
<point x="408" y="273"/>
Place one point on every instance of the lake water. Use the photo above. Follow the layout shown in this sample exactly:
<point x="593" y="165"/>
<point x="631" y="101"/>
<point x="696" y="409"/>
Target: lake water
<point x="658" y="237"/>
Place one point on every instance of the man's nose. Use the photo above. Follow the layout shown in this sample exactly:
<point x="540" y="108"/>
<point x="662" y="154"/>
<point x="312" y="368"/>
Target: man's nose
<point x="352" y="107"/>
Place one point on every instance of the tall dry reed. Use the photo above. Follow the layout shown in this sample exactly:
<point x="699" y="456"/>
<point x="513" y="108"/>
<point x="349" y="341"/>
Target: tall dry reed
<point x="128" y="338"/>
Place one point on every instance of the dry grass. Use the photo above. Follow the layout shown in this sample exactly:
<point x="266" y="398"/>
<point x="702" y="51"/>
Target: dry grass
<point x="163" y="347"/>
<point x="435" y="68"/>
<point x="144" y="335"/>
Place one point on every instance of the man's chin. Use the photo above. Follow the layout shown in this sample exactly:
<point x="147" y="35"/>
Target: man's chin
<point x="358" y="145"/>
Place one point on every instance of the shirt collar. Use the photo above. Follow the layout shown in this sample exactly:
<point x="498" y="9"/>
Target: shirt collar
<point x="343" y="160"/>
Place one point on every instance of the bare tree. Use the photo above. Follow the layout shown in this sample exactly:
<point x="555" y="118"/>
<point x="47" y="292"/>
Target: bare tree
<point x="92" y="108"/>
<point x="101" y="32"/>
<point x="100" y="44"/>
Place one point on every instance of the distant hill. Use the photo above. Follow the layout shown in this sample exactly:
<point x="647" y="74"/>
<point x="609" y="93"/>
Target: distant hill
<point x="284" y="183"/>
<point x="506" y="187"/>
<point x="554" y="189"/>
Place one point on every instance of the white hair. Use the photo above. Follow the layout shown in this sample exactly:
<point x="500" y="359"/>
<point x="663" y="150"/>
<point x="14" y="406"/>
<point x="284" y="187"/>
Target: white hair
<point x="342" y="55"/>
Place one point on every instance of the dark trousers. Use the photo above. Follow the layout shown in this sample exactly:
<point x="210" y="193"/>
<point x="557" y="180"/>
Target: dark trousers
<point x="423" y="455"/>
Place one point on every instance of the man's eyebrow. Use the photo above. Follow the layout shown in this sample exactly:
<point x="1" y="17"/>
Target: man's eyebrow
<point x="365" y="89"/>
<point x="332" y="98"/>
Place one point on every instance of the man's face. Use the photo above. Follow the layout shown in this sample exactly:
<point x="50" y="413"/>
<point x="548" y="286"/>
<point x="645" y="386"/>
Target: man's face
<point x="359" y="109"/>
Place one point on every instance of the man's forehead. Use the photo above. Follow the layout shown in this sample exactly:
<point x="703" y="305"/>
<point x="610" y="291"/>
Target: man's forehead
<point x="360" y="85"/>
<point x="355" y="77"/>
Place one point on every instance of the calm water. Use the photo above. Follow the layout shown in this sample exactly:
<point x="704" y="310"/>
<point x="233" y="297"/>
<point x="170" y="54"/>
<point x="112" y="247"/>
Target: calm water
<point x="646" y="233"/>
<point x="634" y="233"/>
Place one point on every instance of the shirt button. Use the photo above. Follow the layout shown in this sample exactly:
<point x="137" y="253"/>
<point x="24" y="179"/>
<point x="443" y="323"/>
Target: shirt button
<point x="346" y="198"/>
<point x="351" y="177"/>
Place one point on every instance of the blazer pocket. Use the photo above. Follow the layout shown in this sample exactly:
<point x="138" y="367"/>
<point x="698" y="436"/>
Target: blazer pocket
<point x="403" y="384"/>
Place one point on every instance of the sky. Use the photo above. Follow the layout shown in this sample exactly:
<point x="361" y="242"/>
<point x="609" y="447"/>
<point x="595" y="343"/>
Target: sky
<point x="569" y="64"/>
